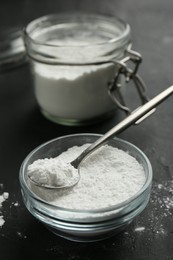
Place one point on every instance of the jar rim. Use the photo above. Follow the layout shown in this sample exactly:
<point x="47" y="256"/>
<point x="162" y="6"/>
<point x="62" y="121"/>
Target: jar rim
<point x="78" y="17"/>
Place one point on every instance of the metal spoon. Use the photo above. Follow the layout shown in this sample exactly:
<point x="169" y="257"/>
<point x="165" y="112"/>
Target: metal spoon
<point x="135" y="117"/>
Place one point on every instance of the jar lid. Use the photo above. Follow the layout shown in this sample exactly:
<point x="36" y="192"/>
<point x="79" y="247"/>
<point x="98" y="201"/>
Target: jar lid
<point x="12" y="49"/>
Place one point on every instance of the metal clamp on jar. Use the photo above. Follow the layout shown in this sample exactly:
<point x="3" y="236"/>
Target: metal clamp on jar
<point x="129" y="74"/>
<point x="77" y="61"/>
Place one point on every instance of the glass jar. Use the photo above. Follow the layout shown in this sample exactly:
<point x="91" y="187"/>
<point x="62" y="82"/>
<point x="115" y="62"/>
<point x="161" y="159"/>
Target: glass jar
<point x="73" y="60"/>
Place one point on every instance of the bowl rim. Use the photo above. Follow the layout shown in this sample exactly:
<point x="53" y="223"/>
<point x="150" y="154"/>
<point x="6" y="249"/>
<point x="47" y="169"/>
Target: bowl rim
<point x="115" y="207"/>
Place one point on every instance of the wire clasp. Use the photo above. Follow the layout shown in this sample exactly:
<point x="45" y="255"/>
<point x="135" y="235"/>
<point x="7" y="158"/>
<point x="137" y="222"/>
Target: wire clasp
<point x="129" y="73"/>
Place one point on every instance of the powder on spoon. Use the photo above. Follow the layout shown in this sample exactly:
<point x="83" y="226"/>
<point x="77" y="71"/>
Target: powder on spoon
<point x="107" y="177"/>
<point x="52" y="172"/>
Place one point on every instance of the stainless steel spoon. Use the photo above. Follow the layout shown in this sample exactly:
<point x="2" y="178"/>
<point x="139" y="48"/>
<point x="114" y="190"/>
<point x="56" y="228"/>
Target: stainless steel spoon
<point x="137" y="116"/>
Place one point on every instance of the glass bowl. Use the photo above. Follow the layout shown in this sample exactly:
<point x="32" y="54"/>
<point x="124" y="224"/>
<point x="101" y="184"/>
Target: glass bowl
<point x="83" y="225"/>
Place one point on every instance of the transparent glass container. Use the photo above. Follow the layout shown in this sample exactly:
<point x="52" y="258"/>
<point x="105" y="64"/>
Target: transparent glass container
<point x="12" y="49"/>
<point x="72" y="59"/>
<point x="83" y="225"/>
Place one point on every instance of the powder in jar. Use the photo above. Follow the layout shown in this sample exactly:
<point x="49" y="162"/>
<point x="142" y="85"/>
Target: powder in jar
<point x="107" y="177"/>
<point x="72" y="92"/>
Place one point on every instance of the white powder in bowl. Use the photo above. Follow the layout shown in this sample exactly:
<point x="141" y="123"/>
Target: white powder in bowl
<point x="107" y="177"/>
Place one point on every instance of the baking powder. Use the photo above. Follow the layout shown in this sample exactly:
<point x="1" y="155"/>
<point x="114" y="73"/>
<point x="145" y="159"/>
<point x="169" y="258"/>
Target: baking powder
<point x="3" y="198"/>
<point x="52" y="172"/>
<point x="76" y="92"/>
<point x="107" y="177"/>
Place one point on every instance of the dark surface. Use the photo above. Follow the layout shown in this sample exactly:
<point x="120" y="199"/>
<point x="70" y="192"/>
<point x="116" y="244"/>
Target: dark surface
<point x="23" y="128"/>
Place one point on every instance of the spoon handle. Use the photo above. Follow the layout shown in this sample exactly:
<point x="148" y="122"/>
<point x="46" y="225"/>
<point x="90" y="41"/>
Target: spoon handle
<point x="124" y="124"/>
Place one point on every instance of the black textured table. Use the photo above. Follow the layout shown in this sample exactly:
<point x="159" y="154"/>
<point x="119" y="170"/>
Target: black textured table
<point x="23" y="128"/>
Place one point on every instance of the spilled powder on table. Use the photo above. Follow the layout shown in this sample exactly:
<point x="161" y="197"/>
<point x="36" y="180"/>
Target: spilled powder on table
<point x="3" y="197"/>
<point x="162" y="204"/>
<point x="139" y="229"/>
<point x="14" y="204"/>
<point x="160" y="209"/>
